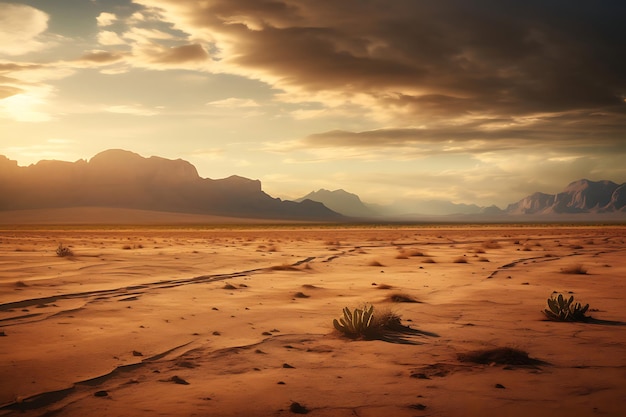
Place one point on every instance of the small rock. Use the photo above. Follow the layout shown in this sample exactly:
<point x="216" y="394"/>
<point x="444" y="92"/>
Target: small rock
<point x="286" y="365"/>
<point x="297" y="408"/>
<point x="500" y="386"/>
<point x="136" y="353"/>
<point x="100" y="394"/>
<point x="417" y="406"/>
<point x="178" y="380"/>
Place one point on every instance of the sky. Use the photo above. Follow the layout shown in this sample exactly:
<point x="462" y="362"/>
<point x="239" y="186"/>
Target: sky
<point x="478" y="102"/>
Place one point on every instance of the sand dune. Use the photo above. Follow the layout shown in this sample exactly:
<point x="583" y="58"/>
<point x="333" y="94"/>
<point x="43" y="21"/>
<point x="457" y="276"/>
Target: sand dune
<point x="238" y="322"/>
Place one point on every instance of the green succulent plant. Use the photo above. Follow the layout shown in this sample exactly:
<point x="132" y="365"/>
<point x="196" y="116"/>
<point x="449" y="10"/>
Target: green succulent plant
<point x="355" y="323"/>
<point x="564" y="309"/>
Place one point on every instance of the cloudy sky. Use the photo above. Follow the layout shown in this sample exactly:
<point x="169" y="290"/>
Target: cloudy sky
<point x="469" y="101"/>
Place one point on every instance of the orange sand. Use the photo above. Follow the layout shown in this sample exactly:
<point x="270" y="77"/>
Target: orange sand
<point x="111" y="330"/>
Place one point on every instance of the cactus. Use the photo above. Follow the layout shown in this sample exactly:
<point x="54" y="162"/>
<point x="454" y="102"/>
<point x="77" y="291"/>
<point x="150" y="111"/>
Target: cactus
<point x="564" y="309"/>
<point x="355" y="324"/>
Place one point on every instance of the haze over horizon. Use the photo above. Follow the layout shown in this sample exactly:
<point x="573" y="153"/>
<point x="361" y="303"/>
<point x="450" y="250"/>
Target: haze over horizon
<point x="482" y="102"/>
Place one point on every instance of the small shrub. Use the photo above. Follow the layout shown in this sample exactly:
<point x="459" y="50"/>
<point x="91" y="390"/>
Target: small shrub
<point x="64" y="251"/>
<point x="574" y="269"/>
<point x="401" y="298"/>
<point x="564" y="309"/>
<point x="384" y="286"/>
<point x="355" y="324"/>
<point x="499" y="356"/>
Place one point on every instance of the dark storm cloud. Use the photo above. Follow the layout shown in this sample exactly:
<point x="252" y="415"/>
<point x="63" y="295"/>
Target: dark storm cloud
<point x="435" y="61"/>
<point x="525" y="56"/>
<point x="573" y="131"/>
<point x="181" y="54"/>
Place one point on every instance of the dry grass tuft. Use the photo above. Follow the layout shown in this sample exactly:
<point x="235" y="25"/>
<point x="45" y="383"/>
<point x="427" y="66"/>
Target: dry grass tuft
<point x="64" y="251"/>
<point x="384" y="287"/>
<point x="574" y="269"/>
<point x="401" y="298"/>
<point x="499" y="356"/>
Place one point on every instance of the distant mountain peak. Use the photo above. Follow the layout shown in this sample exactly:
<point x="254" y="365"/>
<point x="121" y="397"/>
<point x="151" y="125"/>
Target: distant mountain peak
<point x="581" y="196"/>
<point x="341" y="201"/>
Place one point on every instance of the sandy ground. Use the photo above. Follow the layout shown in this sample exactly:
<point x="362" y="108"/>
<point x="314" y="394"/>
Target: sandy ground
<point x="141" y="321"/>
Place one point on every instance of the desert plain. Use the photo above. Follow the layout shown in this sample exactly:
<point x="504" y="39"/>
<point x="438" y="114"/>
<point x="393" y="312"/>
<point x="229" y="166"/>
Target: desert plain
<point x="236" y="320"/>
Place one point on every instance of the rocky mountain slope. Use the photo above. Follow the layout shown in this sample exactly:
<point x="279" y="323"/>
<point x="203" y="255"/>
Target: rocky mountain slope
<point x="123" y="179"/>
<point x="582" y="196"/>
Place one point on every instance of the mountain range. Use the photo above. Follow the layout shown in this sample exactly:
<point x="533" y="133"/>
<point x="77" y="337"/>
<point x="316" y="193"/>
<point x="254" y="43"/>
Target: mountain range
<point x="579" y="197"/>
<point x="125" y="180"/>
<point x="122" y="179"/>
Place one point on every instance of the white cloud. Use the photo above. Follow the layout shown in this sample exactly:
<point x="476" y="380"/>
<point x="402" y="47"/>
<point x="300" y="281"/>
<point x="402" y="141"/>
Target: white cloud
<point x="106" y="19"/>
<point x="135" y="110"/>
<point x="107" y="37"/>
<point x="233" y="103"/>
<point x="20" y="26"/>
<point x="28" y="106"/>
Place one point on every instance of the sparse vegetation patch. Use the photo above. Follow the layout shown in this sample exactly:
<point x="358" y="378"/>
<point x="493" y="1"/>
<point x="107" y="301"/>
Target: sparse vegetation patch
<point x="574" y="269"/>
<point x="499" y="356"/>
<point x="63" y="250"/>
<point x="561" y="308"/>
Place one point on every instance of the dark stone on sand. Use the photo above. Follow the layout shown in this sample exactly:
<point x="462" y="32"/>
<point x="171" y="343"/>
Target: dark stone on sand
<point x="100" y="394"/>
<point x="297" y="408"/>
<point x="2" y="333"/>
<point x="417" y="406"/>
<point x="287" y="366"/>
<point x="178" y="380"/>
<point x="500" y="386"/>
<point x="420" y="376"/>
<point x="136" y="353"/>
<point x="266" y="334"/>
<point x="281" y="383"/>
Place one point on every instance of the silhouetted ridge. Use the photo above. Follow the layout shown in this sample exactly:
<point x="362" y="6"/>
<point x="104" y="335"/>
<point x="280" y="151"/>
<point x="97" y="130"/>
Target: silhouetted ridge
<point x="341" y="201"/>
<point x="123" y="179"/>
